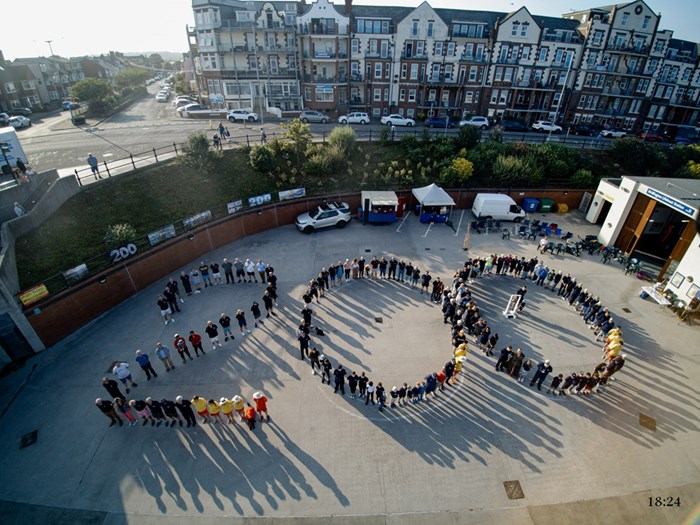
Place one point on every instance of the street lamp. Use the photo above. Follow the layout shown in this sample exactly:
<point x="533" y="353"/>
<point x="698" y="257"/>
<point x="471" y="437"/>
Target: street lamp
<point x="6" y="169"/>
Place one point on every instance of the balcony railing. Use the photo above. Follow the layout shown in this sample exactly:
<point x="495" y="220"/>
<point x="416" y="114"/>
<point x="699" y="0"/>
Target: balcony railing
<point x="473" y="58"/>
<point x="507" y="60"/>
<point x="628" y="49"/>
<point x="320" y="79"/>
<point x="356" y="78"/>
<point x="413" y="56"/>
<point x="569" y="39"/>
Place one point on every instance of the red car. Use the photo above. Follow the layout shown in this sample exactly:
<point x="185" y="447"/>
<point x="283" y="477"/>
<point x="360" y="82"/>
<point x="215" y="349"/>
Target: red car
<point x="650" y="136"/>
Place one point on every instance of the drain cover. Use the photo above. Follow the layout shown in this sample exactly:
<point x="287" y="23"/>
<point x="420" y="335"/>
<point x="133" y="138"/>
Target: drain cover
<point x="29" y="439"/>
<point x="513" y="489"/>
<point x="378" y="319"/>
<point x="627" y="310"/>
<point x="427" y="249"/>
<point x="367" y="250"/>
<point x="647" y="422"/>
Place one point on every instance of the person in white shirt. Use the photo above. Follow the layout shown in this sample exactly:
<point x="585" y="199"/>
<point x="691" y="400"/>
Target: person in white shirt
<point x="121" y="370"/>
<point x="250" y="270"/>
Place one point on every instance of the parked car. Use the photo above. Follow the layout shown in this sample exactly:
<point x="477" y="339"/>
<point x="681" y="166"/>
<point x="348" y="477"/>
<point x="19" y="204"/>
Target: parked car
<point x="354" y="118"/>
<point x="162" y="96"/>
<point x="67" y="105"/>
<point x="479" y="122"/>
<point x="650" y="136"/>
<point x="439" y="122"/>
<point x="326" y="215"/>
<point x="397" y="120"/>
<point x="24" y="112"/>
<point x="183" y="102"/>
<point x="20" y="122"/>
<point x="614" y="133"/>
<point x="546" y="126"/>
<point x="241" y="115"/>
<point x="314" y="116"/>
<point x="191" y="107"/>
<point x="513" y="125"/>
<point x="584" y="130"/>
<point x="184" y="98"/>
<point x="4" y="119"/>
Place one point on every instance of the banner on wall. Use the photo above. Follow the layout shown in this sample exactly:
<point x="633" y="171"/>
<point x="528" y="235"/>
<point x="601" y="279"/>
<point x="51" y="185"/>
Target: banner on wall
<point x="292" y="194"/>
<point x="33" y="294"/>
<point x="259" y="200"/>
<point x="196" y="220"/>
<point x="160" y="235"/>
<point x="76" y="274"/>
<point x="234" y="206"/>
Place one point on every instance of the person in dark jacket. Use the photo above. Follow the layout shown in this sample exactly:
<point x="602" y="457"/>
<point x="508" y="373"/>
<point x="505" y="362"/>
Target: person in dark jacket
<point x="112" y="387"/>
<point x="185" y="408"/>
<point x="543" y="370"/>
<point x="156" y="410"/>
<point x="170" y="409"/>
<point x="449" y="370"/>
<point x="339" y="379"/>
<point x="431" y="384"/>
<point x="107" y="408"/>
<point x="515" y="363"/>
<point x="504" y="358"/>
<point x="569" y="382"/>
<point x="352" y="383"/>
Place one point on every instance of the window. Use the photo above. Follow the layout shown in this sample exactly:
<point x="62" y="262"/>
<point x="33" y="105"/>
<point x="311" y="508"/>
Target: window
<point x="210" y="60"/>
<point x="431" y="28"/>
<point x="508" y="76"/>
<point x="468" y="30"/>
<point x="686" y="74"/>
<point x="414" y="28"/>
<point x="555" y="100"/>
<point x="525" y="53"/>
<point x="386" y="94"/>
<point x="448" y="71"/>
<point x="479" y="53"/>
<point x="445" y="98"/>
<point x="385" y="27"/>
<point x="597" y="37"/>
<point x="592" y="58"/>
<point x="472" y="73"/>
<point x="625" y="19"/>
<point x="411" y="95"/>
<point x="438" y="48"/>
<point x="420" y="48"/>
<point x="376" y="112"/>
<point x="307" y="94"/>
<point x="581" y="102"/>
<point x="53" y="95"/>
<point x="10" y="87"/>
<point x="252" y="62"/>
<point x="355" y="46"/>
<point x="27" y="85"/>
<point x="360" y="25"/>
<point x="402" y="95"/>
<point x="499" y="74"/>
<point x="324" y="93"/>
<point x="410" y="112"/>
<point x="377" y="94"/>
<point x="645" y="23"/>
<point x="523" y="29"/>
<point x="414" y="71"/>
<point x="515" y="27"/>
<point x="432" y="94"/>
<point x="373" y="47"/>
<point x="543" y="54"/>
<point x="291" y="61"/>
<point x="494" y="96"/>
<point x="451" y="49"/>
<point x="468" y="97"/>
<point x="384" y="53"/>
<point x="435" y="73"/>
<point x="404" y="68"/>
<point x="378" y="70"/>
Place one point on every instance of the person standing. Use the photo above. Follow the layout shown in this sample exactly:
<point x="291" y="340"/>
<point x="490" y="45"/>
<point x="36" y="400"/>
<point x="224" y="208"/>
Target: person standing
<point x="121" y="370"/>
<point x="142" y="410"/>
<point x="326" y="368"/>
<point x="200" y="405"/>
<point x="250" y="416"/>
<point x="94" y="166"/>
<point x="165" y="310"/>
<point x="339" y="375"/>
<point x="225" y="322"/>
<point x="226" y="406"/>
<point x="260" y="266"/>
<point x="261" y="405"/>
<point x="215" y="411"/>
<point x="313" y="358"/>
<point x="370" y="393"/>
<point x="156" y="410"/>
<point x="204" y="272"/>
<point x="242" y="324"/>
<point x="239" y="407"/>
<point x="381" y="397"/>
<point x="185" y="280"/>
<point x="163" y="353"/>
<point x="352" y="383"/>
<point x="228" y="271"/>
<point x="145" y="364"/>
<point x="213" y="333"/>
<point x="185" y="408"/>
<point x="515" y="363"/>
<point x="255" y="308"/>
<point x="543" y="370"/>
<point x="449" y="369"/>
<point x="362" y="384"/>
<point x="556" y="381"/>
<point x="112" y="388"/>
<point x="107" y="408"/>
<point x="196" y="280"/>
<point x="123" y="408"/>
<point x="215" y="273"/>
<point x="268" y="302"/>
<point x="196" y="342"/>
<point x="250" y="271"/>
<point x="303" y="338"/>
<point x="240" y="271"/>
<point x="170" y="411"/>
<point x="181" y="346"/>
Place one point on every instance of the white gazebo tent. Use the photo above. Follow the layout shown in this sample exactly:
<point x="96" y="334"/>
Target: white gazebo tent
<point x="434" y="197"/>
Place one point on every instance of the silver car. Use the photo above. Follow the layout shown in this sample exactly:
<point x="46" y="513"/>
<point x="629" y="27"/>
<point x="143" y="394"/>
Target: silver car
<point x="313" y="116"/>
<point x="323" y="216"/>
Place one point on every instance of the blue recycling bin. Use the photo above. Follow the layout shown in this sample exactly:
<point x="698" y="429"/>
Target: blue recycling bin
<point x="530" y="205"/>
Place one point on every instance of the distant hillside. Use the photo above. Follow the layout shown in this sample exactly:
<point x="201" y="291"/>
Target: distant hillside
<point x="168" y="56"/>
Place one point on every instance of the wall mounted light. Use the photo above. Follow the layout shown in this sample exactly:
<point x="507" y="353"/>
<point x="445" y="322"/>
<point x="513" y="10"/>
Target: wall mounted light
<point x="190" y="236"/>
<point x="609" y="225"/>
<point x="626" y="190"/>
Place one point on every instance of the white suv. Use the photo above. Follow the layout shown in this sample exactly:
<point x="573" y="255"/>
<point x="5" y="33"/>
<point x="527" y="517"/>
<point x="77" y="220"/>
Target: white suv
<point x="479" y="122"/>
<point x="327" y="214"/>
<point x="398" y="120"/>
<point x="242" y="115"/>
<point x="546" y="125"/>
<point x="354" y="118"/>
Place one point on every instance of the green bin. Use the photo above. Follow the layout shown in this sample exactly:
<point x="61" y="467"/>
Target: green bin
<point x="546" y="205"/>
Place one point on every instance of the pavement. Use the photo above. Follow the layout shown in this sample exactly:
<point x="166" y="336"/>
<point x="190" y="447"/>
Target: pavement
<point x="325" y="457"/>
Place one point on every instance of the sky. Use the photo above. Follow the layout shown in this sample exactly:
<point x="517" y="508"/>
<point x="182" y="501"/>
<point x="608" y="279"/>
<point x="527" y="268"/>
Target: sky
<point x="87" y="27"/>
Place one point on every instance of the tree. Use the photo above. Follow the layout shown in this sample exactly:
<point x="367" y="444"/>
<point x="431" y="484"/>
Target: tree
<point x="343" y="138"/>
<point x="262" y="159"/>
<point x="197" y="153"/>
<point x="91" y="89"/>
<point x="458" y="171"/>
<point x="132" y="77"/>
<point x="299" y="137"/>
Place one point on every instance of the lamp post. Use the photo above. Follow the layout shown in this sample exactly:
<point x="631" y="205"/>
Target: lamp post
<point x="561" y="96"/>
<point x="6" y="169"/>
<point x="50" y="48"/>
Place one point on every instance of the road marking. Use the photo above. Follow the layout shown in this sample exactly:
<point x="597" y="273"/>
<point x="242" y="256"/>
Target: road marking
<point x="460" y="224"/>
<point x="108" y="155"/>
<point x="430" y="225"/>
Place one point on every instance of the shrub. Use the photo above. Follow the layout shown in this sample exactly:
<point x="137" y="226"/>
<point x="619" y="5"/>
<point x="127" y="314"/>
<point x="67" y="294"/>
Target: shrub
<point x="468" y="137"/>
<point x="345" y="139"/>
<point x="118" y="235"/>
<point x="639" y="157"/>
<point x="457" y="172"/>
<point x="262" y="159"/>
<point x="582" y="179"/>
<point x="197" y="153"/>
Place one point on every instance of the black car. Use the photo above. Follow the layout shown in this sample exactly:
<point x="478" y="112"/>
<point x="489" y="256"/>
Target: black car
<point x="16" y="112"/>
<point x="584" y="130"/>
<point x="513" y="125"/>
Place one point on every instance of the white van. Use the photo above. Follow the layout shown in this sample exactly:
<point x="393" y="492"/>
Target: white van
<point x="496" y="206"/>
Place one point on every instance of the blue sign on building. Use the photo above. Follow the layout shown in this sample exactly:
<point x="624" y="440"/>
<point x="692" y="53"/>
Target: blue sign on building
<point x="671" y="202"/>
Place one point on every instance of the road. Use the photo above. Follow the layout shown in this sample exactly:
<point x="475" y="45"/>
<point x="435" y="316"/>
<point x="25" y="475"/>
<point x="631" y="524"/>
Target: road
<point x="53" y="142"/>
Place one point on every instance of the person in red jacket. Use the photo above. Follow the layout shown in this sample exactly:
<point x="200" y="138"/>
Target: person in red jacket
<point x="441" y="376"/>
<point x="181" y="346"/>
<point x="196" y="342"/>
<point x="250" y="416"/>
<point x="261" y="405"/>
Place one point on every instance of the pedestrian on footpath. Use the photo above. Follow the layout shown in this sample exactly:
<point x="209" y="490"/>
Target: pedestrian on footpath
<point x="242" y="324"/>
<point x="107" y="408"/>
<point x="394" y="394"/>
<point x="261" y="405"/>
<point x="226" y="406"/>
<point x="314" y="359"/>
<point x="381" y="397"/>
<point x="163" y="353"/>
<point x="200" y="405"/>
<point x="186" y="284"/>
<point x="145" y="364"/>
<point x="123" y="408"/>
<point x="326" y="368"/>
<point x="156" y="410"/>
<point x="112" y="388"/>
<point x="255" y="308"/>
<point x="142" y="410"/>
<point x="402" y="392"/>
<point x="170" y="410"/>
<point x="121" y="370"/>
<point x="213" y="333"/>
<point x="239" y="407"/>
<point x="181" y="346"/>
<point x="185" y="408"/>
<point x="196" y="342"/>
<point x="303" y="338"/>
<point x="94" y="165"/>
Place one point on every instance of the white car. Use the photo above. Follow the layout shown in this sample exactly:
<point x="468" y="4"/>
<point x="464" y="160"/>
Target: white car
<point x="162" y="96"/>
<point x="191" y="107"/>
<point x="479" y="122"/>
<point x="354" y="118"/>
<point x="397" y="120"/>
<point x="545" y="126"/>
<point x="183" y="98"/>
<point x="615" y="133"/>
<point x="20" y="122"/>
<point x="327" y="214"/>
<point x="242" y="115"/>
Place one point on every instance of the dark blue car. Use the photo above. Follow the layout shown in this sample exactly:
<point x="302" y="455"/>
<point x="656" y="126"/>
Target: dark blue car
<point x="439" y="122"/>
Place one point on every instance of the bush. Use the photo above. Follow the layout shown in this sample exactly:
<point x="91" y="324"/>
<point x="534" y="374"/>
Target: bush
<point x="457" y="172"/>
<point x="344" y="139"/>
<point x="262" y="159"/>
<point x="582" y="179"/>
<point x="468" y="137"/>
<point x="197" y="153"/>
<point x="325" y="162"/>
<point x="118" y="235"/>
<point x="512" y="170"/>
<point x="639" y="157"/>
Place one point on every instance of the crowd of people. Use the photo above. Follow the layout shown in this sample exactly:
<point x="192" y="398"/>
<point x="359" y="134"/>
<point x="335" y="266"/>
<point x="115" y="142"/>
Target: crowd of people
<point x="171" y="412"/>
